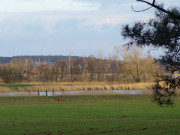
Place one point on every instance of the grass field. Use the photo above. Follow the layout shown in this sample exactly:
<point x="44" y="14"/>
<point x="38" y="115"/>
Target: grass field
<point x="88" y="115"/>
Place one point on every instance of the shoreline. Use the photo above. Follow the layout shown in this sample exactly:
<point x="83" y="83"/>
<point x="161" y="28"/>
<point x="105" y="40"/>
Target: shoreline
<point x="74" y="86"/>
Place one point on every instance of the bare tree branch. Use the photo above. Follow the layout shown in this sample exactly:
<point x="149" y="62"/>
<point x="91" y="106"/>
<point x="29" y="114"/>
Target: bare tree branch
<point x="140" y="10"/>
<point x="159" y="8"/>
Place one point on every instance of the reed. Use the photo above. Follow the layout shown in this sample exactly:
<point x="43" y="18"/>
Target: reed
<point x="5" y="89"/>
<point x="76" y="86"/>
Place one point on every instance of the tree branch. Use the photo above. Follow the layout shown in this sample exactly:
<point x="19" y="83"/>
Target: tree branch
<point x="160" y="8"/>
<point x="140" y="10"/>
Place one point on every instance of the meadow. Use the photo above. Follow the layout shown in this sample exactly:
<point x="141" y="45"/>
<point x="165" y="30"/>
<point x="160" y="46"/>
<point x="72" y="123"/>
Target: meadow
<point x="88" y="115"/>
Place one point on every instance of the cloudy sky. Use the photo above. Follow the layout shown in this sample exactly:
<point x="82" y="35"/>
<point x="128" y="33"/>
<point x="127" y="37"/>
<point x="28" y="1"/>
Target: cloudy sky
<point x="63" y="27"/>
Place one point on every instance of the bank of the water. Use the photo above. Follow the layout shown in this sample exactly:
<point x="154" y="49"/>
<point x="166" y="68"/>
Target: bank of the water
<point x="94" y="92"/>
<point x="85" y="86"/>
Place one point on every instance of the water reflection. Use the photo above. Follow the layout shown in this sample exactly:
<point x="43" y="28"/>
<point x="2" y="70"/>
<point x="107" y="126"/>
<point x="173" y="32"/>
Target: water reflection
<point x="95" y="92"/>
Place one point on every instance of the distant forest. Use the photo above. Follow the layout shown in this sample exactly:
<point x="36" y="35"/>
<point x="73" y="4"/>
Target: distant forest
<point x="133" y="68"/>
<point x="48" y="59"/>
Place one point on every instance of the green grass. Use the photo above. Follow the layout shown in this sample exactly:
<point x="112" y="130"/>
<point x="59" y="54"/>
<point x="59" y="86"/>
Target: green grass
<point x="101" y="114"/>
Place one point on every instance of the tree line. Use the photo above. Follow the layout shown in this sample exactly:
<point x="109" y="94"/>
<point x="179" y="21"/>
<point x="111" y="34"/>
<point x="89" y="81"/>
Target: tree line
<point x="49" y="58"/>
<point x="128" y="66"/>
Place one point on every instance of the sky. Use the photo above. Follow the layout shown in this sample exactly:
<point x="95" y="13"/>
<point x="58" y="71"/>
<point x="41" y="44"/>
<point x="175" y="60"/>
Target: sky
<point x="67" y="27"/>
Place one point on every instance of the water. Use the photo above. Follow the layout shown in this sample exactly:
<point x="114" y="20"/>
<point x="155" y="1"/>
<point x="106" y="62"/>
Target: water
<point x="95" y="92"/>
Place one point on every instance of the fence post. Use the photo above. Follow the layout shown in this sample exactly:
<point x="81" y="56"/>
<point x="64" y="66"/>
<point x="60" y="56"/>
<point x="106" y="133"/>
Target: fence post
<point x="53" y="92"/>
<point x="38" y="93"/>
<point x="46" y="93"/>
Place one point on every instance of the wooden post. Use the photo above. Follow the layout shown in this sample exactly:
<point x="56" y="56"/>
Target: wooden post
<point x="46" y="93"/>
<point x="62" y="91"/>
<point x="53" y="92"/>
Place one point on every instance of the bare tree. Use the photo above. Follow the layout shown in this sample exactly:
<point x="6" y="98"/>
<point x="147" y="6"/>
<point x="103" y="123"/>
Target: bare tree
<point x="76" y="69"/>
<point x="91" y="67"/>
<point x="135" y="67"/>
<point x="59" y="70"/>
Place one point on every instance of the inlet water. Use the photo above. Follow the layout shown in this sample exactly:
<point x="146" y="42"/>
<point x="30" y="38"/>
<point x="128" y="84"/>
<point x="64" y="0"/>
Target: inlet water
<point x="95" y="92"/>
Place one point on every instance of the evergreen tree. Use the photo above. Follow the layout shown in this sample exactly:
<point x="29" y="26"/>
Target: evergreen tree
<point x="162" y="31"/>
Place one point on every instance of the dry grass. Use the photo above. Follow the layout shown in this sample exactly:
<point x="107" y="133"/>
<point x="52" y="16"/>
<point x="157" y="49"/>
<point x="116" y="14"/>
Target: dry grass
<point x="79" y="86"/>
<point x="5" y="89"/>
